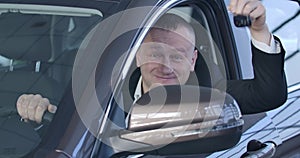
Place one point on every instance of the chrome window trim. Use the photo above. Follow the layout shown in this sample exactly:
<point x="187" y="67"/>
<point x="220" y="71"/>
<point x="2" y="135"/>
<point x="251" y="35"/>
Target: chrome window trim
<point x="48" y="10"/>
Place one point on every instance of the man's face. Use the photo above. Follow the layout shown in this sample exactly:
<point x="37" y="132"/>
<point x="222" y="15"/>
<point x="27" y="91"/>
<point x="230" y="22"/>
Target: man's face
<point x="166" y="57"/>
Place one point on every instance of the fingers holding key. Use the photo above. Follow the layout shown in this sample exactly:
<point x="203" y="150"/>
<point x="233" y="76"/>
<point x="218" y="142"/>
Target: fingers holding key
<point x="252" y="8"/>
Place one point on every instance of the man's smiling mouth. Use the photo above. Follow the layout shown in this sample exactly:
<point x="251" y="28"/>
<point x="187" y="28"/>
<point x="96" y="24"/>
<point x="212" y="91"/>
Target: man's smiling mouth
<point x="166" y="77"/>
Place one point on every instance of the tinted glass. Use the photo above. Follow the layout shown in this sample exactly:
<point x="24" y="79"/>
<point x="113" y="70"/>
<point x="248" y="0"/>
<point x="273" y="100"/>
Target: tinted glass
<point x="38" y="45"/>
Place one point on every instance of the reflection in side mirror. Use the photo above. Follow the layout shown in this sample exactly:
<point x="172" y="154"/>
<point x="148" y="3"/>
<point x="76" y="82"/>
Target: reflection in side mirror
<point x="172" y="120"/>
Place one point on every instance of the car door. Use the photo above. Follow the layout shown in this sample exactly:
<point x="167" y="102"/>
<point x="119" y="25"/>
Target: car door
<point x="115" y="64"/>
<point x="111" y="61"/>
<point x="214" y="39"/>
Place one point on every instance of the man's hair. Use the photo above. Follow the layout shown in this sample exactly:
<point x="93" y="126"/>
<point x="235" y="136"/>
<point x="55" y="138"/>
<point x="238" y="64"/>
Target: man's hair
<point x="171" y="21"/>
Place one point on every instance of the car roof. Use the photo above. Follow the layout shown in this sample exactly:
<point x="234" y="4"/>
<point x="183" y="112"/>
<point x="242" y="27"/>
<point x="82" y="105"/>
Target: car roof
<point x="106" y="6"/>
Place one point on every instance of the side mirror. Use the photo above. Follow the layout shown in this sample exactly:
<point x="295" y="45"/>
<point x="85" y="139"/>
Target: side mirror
<point x="177" y="119"/>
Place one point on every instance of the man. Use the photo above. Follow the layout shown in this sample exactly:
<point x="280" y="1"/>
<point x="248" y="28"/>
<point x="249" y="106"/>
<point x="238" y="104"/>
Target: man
<point x="167" y="56"/>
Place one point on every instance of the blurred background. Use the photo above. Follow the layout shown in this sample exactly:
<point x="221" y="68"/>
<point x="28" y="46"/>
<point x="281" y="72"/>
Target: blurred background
<point x="284" y="21"/>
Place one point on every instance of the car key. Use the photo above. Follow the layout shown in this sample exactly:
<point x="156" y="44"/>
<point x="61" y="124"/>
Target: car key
<point x="242" y="20"/>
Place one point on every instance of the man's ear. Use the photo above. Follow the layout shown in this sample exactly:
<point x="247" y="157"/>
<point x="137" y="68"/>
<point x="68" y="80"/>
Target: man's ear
<point x="194" y="59"/>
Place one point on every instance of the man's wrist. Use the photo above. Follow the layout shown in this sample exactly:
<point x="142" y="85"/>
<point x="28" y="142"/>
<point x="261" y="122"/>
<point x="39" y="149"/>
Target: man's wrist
<point x="263" y="35"/>
<point x="273" y="48"/>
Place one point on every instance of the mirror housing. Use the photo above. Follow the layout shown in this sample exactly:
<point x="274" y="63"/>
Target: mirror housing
<point x="181" y="119"/>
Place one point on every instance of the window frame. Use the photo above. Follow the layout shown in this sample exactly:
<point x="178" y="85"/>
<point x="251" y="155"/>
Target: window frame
<point x="223" y="36"/>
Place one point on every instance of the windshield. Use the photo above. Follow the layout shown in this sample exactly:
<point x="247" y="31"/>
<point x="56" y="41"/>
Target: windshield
<point x="38" y="45"/>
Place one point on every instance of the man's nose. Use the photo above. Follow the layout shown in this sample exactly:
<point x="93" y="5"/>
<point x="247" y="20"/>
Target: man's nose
<point x="166" y="69"/>
<point x="166" y="66"/>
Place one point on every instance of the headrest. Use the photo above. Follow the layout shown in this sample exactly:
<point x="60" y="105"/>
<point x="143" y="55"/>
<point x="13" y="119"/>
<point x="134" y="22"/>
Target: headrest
<point x="25" y="37"/>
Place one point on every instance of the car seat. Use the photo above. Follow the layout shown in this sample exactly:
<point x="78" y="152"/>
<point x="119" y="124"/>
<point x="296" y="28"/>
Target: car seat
<point x="25" y="42"/>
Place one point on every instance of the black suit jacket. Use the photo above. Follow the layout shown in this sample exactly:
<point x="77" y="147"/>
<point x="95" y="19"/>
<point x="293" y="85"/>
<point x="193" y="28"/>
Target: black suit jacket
<point x="266" y="91"/>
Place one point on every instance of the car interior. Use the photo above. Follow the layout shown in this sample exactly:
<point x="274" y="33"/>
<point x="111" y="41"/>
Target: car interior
<point x="37" y="54"/>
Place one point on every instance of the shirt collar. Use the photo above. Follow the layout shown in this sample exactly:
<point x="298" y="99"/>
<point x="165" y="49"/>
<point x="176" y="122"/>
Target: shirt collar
<point x="138" y="90"/>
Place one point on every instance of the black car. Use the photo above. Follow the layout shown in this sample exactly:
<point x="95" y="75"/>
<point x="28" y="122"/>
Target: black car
<point x="80" y="55"/>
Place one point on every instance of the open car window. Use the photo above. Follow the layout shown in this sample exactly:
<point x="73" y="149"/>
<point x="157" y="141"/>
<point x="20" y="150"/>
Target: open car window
<point x="209" y="67"/>
<point x="38" y="45"/>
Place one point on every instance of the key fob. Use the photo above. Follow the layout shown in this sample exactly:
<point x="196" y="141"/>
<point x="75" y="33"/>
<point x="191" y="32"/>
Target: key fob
<point x="242" y="20"/>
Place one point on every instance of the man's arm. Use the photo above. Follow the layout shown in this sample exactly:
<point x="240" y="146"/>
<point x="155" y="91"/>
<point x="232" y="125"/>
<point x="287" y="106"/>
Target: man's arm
<point x="268" y="89"/>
